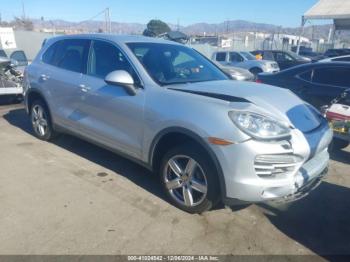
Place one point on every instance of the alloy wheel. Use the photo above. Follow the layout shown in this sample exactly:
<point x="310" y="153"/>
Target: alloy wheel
<point x="39" y="120"/>
<point x="185" y="181"/>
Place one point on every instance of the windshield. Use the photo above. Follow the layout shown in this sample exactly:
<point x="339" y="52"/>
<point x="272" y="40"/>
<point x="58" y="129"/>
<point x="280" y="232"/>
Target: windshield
<point x="248" y="56"/>
<point x="175" y="64"/>
<point x="295" y="56"/>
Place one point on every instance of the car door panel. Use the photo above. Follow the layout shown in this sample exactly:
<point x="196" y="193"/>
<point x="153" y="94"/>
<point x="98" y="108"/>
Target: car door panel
<point x="107" y="113"/>
<point x="63" y="89"/>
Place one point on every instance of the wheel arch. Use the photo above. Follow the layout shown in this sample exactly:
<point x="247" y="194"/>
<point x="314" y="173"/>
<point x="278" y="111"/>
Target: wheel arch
<point x="172" y="136"/>
<point x="33" y="95"/>
<point x="256" y="68"/>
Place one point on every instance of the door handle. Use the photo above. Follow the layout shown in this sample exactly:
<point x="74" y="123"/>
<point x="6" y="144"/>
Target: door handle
<point x="84" y="88"/>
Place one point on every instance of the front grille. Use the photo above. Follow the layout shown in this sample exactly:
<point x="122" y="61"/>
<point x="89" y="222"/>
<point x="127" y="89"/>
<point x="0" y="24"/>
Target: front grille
<point x="268" y="166"/>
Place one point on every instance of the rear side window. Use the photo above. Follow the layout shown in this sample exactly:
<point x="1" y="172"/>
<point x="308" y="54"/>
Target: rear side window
<point x="338" y="76"/>
<point x="70" y="54"/>
<point x="221" y="57"/>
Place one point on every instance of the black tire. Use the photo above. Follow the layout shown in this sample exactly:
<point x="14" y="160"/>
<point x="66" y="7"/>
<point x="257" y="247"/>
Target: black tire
<point x="255" y="71"/>
<point x="205" y="165"/>
<point x="339" y="144"/>
<point x="49" y="132"/>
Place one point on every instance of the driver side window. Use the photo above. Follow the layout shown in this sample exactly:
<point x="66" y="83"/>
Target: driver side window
<point x="105" y="58"/>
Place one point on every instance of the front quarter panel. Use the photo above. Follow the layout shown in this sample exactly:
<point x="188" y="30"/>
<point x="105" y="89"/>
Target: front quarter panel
<point x="204" y="116"/>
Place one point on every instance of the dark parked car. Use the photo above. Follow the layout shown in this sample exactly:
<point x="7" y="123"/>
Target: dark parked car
<point x="18" y="55"/>
<point x="316" y="83"/>
<point x="284" y="59"/>
<point x="337" y="52"/>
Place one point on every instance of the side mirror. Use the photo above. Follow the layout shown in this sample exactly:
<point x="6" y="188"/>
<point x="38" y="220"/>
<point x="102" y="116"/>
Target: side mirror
<point x="123" y="79"/>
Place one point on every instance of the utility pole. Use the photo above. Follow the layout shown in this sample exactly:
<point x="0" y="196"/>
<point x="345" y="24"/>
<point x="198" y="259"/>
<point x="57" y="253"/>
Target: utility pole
<point x="109" y="20"/>
<point x="23" y="11"/>
<point x="108" y="24"/>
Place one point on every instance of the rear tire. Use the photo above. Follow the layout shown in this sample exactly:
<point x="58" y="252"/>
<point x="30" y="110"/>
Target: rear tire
<point x="41" y="121"/>
<point x="189" y="179"/>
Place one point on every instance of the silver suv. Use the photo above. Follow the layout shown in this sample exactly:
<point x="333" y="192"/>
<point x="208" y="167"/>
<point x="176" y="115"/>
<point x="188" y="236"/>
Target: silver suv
<point x="245" y="60"/>
<point x="170" y="109"/>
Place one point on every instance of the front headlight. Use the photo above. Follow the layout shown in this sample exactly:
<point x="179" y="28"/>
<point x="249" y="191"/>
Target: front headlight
<point x="259" y="126"/>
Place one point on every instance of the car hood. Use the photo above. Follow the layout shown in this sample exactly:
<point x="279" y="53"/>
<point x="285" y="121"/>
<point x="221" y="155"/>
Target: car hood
<point x="273" y="101"/>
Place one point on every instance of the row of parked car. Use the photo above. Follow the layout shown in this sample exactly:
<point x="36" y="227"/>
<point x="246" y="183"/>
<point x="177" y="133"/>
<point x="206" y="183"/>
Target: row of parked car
<point x="321" y="83"/>
<point x="272" y="61"/>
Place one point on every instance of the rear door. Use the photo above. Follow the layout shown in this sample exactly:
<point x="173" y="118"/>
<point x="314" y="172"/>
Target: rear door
<point x="62" y="78"/>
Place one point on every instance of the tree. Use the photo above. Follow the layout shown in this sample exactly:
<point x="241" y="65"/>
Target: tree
<point x="156" y="28"/>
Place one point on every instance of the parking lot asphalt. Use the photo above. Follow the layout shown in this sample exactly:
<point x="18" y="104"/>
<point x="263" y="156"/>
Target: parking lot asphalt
<point x="71" y="197"/>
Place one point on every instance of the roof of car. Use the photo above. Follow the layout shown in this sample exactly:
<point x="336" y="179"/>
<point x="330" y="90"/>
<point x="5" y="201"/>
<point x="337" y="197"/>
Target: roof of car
<point x="115" y="38"/>
<point x="330" y="59"/>
<point x="273" y="51"/>
<point x="316" y="65"/>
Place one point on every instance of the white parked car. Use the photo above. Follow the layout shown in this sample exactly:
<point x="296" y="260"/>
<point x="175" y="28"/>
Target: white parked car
<point x="245" y="60"/>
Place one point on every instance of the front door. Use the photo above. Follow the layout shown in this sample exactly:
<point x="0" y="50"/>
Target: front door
<point x="109" y="114"/>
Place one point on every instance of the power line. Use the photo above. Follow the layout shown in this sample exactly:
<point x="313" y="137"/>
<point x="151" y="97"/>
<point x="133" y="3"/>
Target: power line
<point x="108" y="23"/>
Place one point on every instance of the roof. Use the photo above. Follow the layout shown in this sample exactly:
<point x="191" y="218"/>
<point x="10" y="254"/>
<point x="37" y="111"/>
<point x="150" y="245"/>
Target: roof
<point x="338" y="10"/>
<point x="329" y="9"/>
<point x="115" y="38"/>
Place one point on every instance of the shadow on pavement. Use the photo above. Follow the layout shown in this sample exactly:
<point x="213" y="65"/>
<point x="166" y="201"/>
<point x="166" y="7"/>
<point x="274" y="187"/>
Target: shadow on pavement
<point x="126" y="168"/>
<point x="341" y="156"/>
<point x="109" y="160"/>
<point x="320" y="222"/>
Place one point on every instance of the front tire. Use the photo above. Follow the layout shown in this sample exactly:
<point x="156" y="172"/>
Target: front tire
<point x="189" y="179"/>
<point x="41" y="121"/>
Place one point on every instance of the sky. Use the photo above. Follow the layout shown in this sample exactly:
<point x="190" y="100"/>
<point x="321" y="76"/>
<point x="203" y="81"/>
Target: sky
<point x="285" y="13"/>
